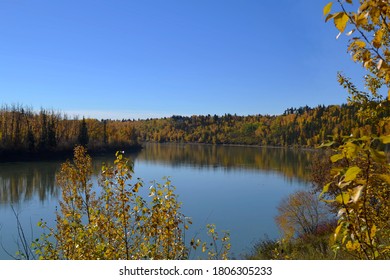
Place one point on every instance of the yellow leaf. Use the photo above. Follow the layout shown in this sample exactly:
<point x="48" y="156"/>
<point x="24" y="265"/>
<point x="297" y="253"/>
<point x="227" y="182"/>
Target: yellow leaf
<point x="351" y="149"/>
<point x="377" y="42"/>
<point x="352" y="246"/>
<point x="340" y="21"/>
<point x="327" y="8"/>
<point x="363" y="7"/>
<point x="325" y="190"/>
<point x="336" y="232"/>
<point x="204" y="248"/>
<point x="336" y="157"/>
<point x="375" y="15"/>
<point x="373" y="231"/>
<point x="360" y="44"/>
<point x="385" y="178"/>
<point x="351" y="173"/>
<point x="379" y="156"/>
<point x="328" y="17"/>
<point x="343" y="198"/>
<point x="361" y="19"/>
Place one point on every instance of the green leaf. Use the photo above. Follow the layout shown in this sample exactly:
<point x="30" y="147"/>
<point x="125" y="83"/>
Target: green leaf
<point x="351" y="173"/>
<point x="336" y="157"/>
<point x="327" y="8"/>
<point x="340" y="21"/>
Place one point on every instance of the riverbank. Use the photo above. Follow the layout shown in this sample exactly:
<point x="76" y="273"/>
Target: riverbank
<point x="291" y="147"/>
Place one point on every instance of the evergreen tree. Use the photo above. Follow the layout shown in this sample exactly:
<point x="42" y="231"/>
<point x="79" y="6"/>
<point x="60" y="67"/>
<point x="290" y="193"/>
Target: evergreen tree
<point x="83" y="138"/>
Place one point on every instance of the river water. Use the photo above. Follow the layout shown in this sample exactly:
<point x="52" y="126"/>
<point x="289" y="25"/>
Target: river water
<point x="236" y="188"/>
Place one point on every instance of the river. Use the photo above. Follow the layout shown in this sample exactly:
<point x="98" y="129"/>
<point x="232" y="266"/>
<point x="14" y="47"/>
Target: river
<point x="236" y="188"/>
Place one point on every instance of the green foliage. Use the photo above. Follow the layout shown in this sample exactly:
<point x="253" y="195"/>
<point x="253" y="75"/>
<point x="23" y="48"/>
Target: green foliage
<point x="116" y="221"/>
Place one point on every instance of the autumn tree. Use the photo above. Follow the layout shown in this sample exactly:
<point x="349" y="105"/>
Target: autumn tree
<point x="301" y="214"/>
<point x="361" y="173"/>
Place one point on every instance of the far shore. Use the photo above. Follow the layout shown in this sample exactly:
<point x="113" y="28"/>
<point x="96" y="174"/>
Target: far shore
<point x="14" y="156"/>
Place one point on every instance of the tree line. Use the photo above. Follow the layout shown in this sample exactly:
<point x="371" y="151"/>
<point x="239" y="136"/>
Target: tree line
<point x="24" y="131"/>
<point x="304" y="126"/>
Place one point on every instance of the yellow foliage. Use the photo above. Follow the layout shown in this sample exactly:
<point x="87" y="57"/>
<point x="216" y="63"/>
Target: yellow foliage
<point x="115" y="222"/>
<point x="360" y="184"/>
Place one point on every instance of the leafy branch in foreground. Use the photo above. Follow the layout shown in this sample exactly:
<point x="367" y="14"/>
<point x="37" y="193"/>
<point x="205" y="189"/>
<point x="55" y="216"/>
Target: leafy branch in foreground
<point x="360" y="189"/>
<point x="115" y="221"/>
<point x="360" y="184"/>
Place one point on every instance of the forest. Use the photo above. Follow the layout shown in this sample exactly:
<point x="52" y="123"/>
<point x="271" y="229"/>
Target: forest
<point x="26" y="132"/>
<point x="300" y="127"/>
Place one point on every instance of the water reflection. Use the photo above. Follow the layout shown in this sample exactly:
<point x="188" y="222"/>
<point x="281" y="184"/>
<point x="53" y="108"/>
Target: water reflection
<point x="23" y="181"/>
<point x="291" y="163"/>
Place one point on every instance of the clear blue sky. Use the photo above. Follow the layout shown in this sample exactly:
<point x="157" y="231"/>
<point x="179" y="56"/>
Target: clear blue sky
<point x="138" y="59"/>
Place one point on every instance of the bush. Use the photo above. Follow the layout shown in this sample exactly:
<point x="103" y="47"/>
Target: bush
<point x="114" y="221"/>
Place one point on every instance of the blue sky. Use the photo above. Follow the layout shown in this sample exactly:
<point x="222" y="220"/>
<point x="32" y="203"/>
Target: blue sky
<point x="139" y="59"/>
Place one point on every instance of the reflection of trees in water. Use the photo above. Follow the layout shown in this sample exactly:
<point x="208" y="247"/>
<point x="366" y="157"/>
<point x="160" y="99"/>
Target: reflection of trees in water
<point x="23" y="181"/>
<point x="292" y="163"/>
